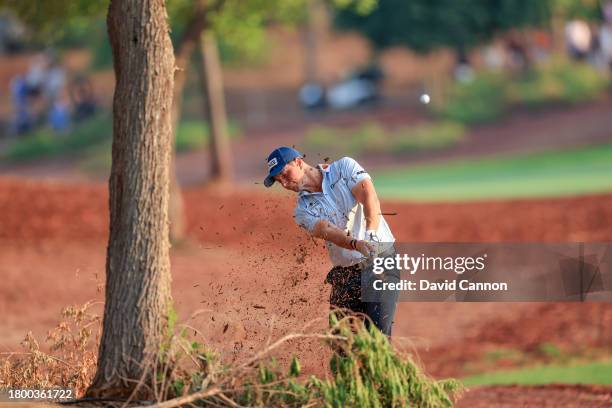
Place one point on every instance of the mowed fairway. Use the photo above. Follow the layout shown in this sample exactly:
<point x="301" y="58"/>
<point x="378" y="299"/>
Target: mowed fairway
<point x="592" y="373"/>
<point x="558" y="173"/>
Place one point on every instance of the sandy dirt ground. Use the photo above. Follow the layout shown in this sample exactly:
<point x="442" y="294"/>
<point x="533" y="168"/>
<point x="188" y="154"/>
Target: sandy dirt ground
<point x="247" y="274"/>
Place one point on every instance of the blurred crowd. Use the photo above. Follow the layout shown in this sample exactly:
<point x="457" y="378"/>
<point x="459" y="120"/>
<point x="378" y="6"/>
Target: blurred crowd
<point x="590" y="42"/>
<point x="45" y="96"/>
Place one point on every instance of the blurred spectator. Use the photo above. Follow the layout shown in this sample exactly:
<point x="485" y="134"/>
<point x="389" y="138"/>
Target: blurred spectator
<point x="37" y="95"/>
<point x="54" y="79"/>
<point x="463" y="71"/>
<point x="605" y="36"/>
<point x="518" y="58"/>
<point x="82" y="98"/>
<point x="494" y="57"/>
<point x="11" y="33"/>
<point x="22" y="118"/>
<point x="606" y="8"/>
<point x="59" y="116"/>
<point x="579" y="39"/>
<point x="542" y="45"/>
<point x="35" y="76"/>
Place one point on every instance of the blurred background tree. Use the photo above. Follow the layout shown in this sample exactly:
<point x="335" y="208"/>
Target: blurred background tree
<point x="241" y="26"/>
<point x="424" y="25"/>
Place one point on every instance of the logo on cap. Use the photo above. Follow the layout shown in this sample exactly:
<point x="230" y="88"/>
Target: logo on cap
<point x="272" y="163"/>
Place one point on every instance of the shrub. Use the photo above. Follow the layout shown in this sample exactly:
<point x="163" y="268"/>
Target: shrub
<point x="581" y="82"/>
<point x="93" y="138"/>
<point x="74" y="361"/>
<point x="46" y="143"/>
<point x="367" y="370"/>
<point x="429" y="136"/>
<point x="194" y="134"/>
<point x="483" y="99"/>
<point x="372" y="137"/>
<point x="558" y="82"/>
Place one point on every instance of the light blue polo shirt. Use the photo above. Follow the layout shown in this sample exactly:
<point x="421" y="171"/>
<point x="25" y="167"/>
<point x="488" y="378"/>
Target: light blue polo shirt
<point x="337" y="205"/>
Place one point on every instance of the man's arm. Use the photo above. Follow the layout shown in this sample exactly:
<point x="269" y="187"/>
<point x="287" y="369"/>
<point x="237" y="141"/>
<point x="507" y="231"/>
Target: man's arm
<point x="365" y="194"/>
<point x="335" y="235"/>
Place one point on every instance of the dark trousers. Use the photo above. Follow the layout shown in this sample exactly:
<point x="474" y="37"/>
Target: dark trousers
<point x="346" y="294"/>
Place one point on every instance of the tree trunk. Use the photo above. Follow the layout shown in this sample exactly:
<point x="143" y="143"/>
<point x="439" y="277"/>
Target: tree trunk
<point x="212" y="89"/>
<point x="183" y="53"/>
<point x="137" y="268"/>
<point x="312" y="32"/>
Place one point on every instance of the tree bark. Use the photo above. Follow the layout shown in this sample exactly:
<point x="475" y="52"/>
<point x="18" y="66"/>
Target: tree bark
<point x="137" y="267"/>
<point x="212" y="89"/>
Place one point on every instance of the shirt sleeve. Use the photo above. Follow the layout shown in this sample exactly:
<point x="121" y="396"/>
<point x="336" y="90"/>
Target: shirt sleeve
<point x="352" y="172"/>
<point x="305" y="219"/>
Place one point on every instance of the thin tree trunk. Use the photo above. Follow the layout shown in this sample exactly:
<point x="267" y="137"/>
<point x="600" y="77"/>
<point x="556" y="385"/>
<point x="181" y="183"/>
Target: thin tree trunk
<point x="183" y="53"/>
<point x="137" y="268"/>
<point x="212" y="89"/>
<point x="312" y="33"/>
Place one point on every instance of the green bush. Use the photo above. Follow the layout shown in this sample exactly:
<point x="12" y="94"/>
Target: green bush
<point x="429" y="136"/>
<point x="93" y="139"/>
<point x="558" y="82"/>
<point x="483" y="99"/>
<point x="372" y="137"/>
<point x="488" y="96"/>
<point x="367" y="372"/>
<point x="46" y="143"/>
<point x="194" y="134"/>
<point x="581" y="82"/>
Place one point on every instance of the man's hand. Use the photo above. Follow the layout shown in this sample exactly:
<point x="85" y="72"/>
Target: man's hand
<point x="367" y="249"/>
<point x="373" y="240"/>
<point x="331" y="233"/>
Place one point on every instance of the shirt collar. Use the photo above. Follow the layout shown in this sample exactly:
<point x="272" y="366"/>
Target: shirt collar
<point x="324" y="168"/>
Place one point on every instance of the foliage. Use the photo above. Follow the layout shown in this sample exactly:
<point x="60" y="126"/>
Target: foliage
<point x="51" y="20"/>
<point x="480" y="100"/>
<point x="92" y="140"/>
<point x="489" y="95"/>
<point x="46" y="143"/>
<point x="194" y="134"/>
<point x="367" y="370"/>
<point x="583" y="9"/>
<point x="558" y="82"/>
<point x="423" y="25"/>
<point x="72" y="363"/>
<point x="240" y="25"/>
<point x="432" y="136"/>
<point x="372" y="138"/>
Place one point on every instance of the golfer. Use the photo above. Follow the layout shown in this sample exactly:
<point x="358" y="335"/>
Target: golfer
<point x="338" y="203"/>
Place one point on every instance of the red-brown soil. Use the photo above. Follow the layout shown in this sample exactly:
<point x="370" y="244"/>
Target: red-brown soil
<point x="251" y="274"/>
<point x="548" y="396"/>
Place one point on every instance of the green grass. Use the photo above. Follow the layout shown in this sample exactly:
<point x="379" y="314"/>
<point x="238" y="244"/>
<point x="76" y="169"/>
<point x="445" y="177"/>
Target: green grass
<point x="194" y="134"/>
<point x="558" y="173"/>
<point x="45" y="143"/>
<point x="591" y="373"/>
<point x="91" y="141"/>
